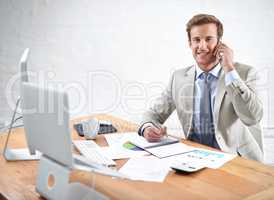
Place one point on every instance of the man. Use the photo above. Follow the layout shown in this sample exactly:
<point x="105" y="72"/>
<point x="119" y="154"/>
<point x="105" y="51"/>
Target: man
<point x="215" y="99"/>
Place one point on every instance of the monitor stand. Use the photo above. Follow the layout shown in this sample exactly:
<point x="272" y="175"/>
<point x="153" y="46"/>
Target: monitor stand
<point x="18" y="154"/>
<point x="52" y="182"/>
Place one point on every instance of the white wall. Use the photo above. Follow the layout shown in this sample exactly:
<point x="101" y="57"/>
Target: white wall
<point x="114" y="56"/>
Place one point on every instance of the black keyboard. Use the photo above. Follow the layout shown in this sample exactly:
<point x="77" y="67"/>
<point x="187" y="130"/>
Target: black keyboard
<point x="104" y="128"/>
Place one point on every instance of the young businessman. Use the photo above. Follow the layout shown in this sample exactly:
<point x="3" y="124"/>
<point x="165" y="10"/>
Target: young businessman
<point x="215" y="99"/>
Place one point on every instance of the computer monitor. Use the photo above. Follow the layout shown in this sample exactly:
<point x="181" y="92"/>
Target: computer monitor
<point x="23" y="153"/>
<point x="46" y="122"/>
<point x="25" y="78"/>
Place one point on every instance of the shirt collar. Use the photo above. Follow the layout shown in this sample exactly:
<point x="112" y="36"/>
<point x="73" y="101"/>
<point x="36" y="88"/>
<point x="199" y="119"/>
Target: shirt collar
<point x="215" y="71"/>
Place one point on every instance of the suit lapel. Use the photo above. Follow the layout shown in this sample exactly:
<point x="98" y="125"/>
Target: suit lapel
<point x="189" y="95"/>
<point x="219" y="96"/>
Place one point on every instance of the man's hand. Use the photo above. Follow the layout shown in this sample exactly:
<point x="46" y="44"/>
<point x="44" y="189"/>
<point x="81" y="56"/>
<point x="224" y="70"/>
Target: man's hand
<point x="154" y="134"/>
<point x="225" y="55"/>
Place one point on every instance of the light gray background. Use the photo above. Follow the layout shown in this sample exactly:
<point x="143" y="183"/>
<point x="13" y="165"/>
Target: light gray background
<point x="116" y="56"/>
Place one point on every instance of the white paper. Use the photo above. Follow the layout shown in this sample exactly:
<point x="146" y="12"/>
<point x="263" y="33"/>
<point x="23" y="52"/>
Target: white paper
<point x="169" y="150"/>
<point x="210" y="159"/>
<point x="119" y="146"/>
<point x="146" y="168"/>
<point x="119" y="138"/>
<point x="200" y="157"/>
<point x="143" y="143"/>
<point x="119" y="152"/>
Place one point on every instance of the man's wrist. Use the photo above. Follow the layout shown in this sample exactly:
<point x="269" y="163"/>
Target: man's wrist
<point x="231" y="76"/>
<point x="143" y="127"/>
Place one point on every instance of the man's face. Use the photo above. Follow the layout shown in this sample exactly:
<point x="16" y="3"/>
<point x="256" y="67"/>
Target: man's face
<point x="202" y="43"/>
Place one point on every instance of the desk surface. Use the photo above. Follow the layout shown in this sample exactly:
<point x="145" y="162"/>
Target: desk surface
<point x="238" y="179"/>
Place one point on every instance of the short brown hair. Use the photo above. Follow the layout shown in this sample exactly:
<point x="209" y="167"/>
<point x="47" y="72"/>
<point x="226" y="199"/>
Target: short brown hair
<point x="202" y="19"/>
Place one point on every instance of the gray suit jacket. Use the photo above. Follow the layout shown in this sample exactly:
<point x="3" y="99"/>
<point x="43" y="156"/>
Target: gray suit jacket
<point x="237" y="110"/>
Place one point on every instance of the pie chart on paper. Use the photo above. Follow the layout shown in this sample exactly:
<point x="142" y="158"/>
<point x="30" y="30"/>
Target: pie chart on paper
<point x="131" y="146"/>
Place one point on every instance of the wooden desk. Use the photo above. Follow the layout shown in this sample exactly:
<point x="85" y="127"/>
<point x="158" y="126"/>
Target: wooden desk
<point x="238" y="179"/>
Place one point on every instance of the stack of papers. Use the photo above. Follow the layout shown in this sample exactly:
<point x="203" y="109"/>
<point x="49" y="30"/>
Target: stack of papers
<point x="210" y="159"/>
<point x="120" y="152"/>
<point x="169" y="150"/>
<point x="200" y="157"/>
<point x="151" y="168"/>
<point x="141" y="142"/>
<point x="126" y="146"/>
<point x="120" y="147"/>
<point x="118" y="139"/>
<point x="156" y="166"/>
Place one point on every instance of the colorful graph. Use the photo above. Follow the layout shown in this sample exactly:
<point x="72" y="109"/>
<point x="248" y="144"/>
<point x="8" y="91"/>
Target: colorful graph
<point x="131" y="146"/>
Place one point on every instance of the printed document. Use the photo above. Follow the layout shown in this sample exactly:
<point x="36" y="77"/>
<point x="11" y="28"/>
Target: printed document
<point x="187" y="154"/>
<point x="169" y="150"/>
<point x="200" y="157"/>
<point x="146" y="168"/>
<point x="120" y="138"/>
<point x="144" y="144"/>
<point x="120" y="147"/>
<point x="120" y="152"/>
<point x="210" y="159"/>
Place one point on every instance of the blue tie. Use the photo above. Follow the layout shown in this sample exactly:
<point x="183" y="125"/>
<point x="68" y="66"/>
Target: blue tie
<point x="204" y="126"/>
